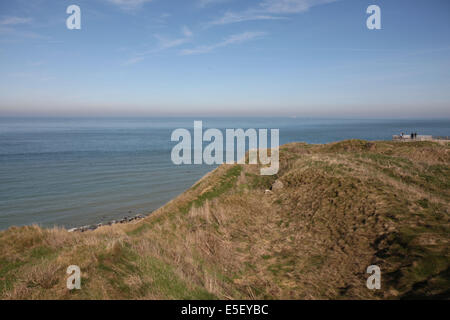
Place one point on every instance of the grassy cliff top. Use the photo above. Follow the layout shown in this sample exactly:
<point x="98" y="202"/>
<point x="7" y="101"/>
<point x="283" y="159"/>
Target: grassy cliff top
<point x="332" y="211"/>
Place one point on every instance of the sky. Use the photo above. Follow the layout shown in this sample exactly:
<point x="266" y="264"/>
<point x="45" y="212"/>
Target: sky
<point x="225" y="57"/>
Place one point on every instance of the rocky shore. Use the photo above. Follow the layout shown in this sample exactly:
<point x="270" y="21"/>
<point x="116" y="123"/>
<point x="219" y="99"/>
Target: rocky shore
<point x="92" y="227"/>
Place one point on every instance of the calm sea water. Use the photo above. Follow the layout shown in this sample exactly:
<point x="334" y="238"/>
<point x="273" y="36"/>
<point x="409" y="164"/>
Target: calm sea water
<point x="78" y="171"/>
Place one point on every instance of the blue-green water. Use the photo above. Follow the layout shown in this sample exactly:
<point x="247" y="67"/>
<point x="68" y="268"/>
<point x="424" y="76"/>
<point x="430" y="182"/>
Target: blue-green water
<point x="78" y="171"/>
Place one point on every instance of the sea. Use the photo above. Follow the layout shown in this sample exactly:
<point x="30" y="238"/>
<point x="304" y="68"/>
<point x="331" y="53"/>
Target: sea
<point x="77" y="171"/>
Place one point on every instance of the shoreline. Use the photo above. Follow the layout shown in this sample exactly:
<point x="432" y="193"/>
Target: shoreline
<point x="92" y="227"/>
<point x="137" y="217"/>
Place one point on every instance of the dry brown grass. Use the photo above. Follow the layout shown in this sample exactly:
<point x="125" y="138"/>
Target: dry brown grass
<point x="343" y="206"/>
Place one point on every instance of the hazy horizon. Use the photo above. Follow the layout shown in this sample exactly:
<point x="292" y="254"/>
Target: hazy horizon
<point x="212" y="116"/>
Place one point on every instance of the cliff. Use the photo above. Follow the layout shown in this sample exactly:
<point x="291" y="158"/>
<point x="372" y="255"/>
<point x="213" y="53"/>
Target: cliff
<point x="309" y="232"/>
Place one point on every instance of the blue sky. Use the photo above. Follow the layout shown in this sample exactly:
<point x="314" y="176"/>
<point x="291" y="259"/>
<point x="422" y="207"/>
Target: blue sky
<point x="213" y="57"/>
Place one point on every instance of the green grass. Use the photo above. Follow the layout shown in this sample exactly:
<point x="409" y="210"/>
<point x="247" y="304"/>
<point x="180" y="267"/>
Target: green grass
<point x="226" y="182"/>
<point x="166" y="282"/>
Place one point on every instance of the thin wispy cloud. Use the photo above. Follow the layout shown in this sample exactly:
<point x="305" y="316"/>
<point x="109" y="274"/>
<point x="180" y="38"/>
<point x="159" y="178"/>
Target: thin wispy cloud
<point x="268" y="10"/>
<point x="164" y="43"/>
<point x="9" y="21"/>
<point x="233" y="17"/>
<point x="290" y="6"/>
<point x="133" y="60"/>
<point x="15" y="34"/>
<point x="129" y="4"/>
<point x="206" y="3"/>
<point x="234" y="39"/>
<point x="159" y="20"/>
<point x="263" y="10"/>
<point x="186" y="31"/>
